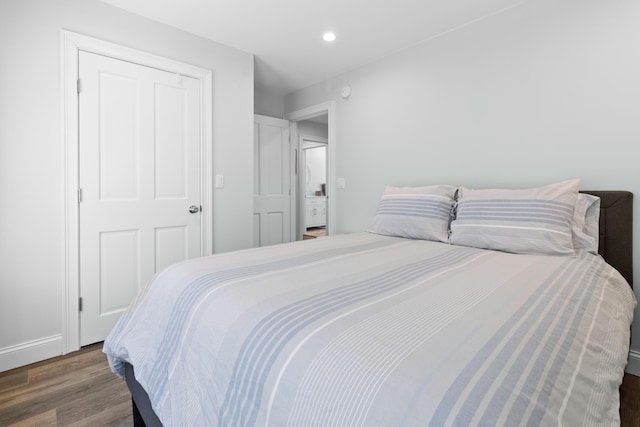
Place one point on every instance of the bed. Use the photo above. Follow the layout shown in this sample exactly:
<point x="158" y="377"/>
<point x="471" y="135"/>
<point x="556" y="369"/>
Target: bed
<point x="375" y="329"/>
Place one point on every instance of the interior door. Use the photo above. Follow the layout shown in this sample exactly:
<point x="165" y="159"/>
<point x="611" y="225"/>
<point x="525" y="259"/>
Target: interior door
<point x="272" y="181"/>
<point x="140" y="182"/>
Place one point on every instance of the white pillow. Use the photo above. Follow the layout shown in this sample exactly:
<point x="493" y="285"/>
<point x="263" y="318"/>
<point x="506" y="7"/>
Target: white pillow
<point x="415" y="212"/>
<point x="530" y="221"/>
<point x="586" y="223"/>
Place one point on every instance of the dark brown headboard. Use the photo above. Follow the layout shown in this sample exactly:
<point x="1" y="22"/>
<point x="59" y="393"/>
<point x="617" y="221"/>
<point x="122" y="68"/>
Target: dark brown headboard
<point x="616" y="230"/>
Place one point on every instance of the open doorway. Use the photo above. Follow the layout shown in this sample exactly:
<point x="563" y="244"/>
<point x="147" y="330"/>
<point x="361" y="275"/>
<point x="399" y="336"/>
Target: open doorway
<point x="313" y="182"/>
<point x="313" y="130"/>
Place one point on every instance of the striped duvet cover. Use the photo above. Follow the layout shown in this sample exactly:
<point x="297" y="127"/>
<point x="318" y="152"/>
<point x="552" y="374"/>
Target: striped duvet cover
<point x="368" y="330"/>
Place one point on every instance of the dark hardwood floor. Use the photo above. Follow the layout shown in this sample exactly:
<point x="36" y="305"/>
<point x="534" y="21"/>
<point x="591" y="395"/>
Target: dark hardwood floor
<point x="79" y="390"/>
<point x="630" y="401"/>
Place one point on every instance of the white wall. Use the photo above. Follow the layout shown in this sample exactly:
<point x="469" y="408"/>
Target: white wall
<point x="546" y="91"/>
<point x="268" y="104"/>
<point x="313" y="130"/>
<point x="31" y="153"/>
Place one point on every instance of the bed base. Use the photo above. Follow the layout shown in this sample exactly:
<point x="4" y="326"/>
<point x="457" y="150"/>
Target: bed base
<point x="143" y="415"/>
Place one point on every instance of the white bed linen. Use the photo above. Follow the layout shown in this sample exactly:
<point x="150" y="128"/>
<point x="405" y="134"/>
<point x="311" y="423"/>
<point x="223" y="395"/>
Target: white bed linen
<point x="369" y="330"/>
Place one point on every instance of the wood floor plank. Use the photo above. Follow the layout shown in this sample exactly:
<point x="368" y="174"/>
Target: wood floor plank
<point x="41" y="389"/>
<point x="115" y="416"/>
<point x="48" y="418"/>
<point x="14" y="379"/>
<point x="630" y="401"/>
<point x="95" y="401"/>
<point x="72" y="389"/>
<point x="43" y="376"/>
<point x="53" y="397"/>
<point x="55" y="368"/>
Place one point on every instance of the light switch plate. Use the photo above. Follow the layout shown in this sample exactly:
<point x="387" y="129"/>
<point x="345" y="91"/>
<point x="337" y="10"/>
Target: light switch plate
<point x="340" y="183"/>
<point x="219" y="181"/>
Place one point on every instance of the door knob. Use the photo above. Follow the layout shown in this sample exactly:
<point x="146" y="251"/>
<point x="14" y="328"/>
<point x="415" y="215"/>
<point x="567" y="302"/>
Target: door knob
<point x="194" y="209"/>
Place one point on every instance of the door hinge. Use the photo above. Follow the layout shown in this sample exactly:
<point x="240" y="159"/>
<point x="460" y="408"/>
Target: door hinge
<point x="79" y="85"/>
<point x="80" y="304"/>
<point x="79" y="195"/>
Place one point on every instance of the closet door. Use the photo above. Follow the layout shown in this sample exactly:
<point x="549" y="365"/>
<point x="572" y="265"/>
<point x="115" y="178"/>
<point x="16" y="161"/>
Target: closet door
<point x="140" y="182"/>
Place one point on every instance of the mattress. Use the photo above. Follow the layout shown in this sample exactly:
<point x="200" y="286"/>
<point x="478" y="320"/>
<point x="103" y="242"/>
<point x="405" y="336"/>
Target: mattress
<point x="364" y="329"/>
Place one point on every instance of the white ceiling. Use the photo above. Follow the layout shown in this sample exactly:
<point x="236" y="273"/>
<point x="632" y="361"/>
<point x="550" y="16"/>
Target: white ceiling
<point x="286" y="35"/>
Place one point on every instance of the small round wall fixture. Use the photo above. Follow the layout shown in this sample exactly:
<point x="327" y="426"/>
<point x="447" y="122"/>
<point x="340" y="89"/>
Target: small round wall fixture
<point x="345" y="91"/>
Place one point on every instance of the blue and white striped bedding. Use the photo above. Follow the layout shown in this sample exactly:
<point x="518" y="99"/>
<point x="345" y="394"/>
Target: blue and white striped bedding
<point x="369" y="330"/>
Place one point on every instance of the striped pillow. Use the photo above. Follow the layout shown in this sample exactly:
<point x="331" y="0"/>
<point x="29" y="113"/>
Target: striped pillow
<point x="531" y="221"/>
<point x="415" y="212"/>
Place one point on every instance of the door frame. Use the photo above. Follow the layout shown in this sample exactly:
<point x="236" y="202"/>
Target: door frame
<point x="70" y="46"/>
<point x="328" y="108"/>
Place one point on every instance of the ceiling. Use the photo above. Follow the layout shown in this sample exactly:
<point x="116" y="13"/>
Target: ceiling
<point x="286" y="35"/>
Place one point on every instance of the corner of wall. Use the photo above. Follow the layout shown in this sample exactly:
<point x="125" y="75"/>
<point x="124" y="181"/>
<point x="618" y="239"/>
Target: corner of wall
<point x="268" y="104"/>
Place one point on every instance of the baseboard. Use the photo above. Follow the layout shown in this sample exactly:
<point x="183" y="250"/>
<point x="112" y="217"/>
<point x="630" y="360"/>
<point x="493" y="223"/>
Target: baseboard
<point x="30" y="352"/>
<point x="633" y="365"/>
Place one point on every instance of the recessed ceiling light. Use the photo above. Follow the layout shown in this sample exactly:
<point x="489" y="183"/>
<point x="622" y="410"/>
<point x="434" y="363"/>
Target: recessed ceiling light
<point x="329" y="37"/>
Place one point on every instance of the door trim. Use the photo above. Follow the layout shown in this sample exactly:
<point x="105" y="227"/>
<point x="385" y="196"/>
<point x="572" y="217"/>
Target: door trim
<point x="329" y="108"/>
<point x="70" y="45"/>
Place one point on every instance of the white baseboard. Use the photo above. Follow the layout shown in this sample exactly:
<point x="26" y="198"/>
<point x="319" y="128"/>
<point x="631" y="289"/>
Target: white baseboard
<point x="30" y="352"/>
<point x="633" y="365"/>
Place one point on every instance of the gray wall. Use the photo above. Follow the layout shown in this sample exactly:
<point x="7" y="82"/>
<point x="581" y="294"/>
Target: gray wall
<point x="268" y="104"/>
<point x="547" y="91"/>
<point x="313" y="129"/>
<point x="31" y="152"/>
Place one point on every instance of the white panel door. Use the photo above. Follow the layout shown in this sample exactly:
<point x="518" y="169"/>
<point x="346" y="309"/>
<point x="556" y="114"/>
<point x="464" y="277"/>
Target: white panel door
<point x="272" y="181"/>
<point x="139" y="168"/>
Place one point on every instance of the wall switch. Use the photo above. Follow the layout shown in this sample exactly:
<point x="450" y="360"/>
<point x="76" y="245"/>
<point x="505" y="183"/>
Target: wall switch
<point x="219" y="181"/>
<point x="340" y="183"/>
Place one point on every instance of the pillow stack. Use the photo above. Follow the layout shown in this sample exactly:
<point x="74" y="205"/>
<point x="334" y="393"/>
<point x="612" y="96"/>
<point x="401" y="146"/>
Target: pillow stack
<point x="550" y="220"/>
